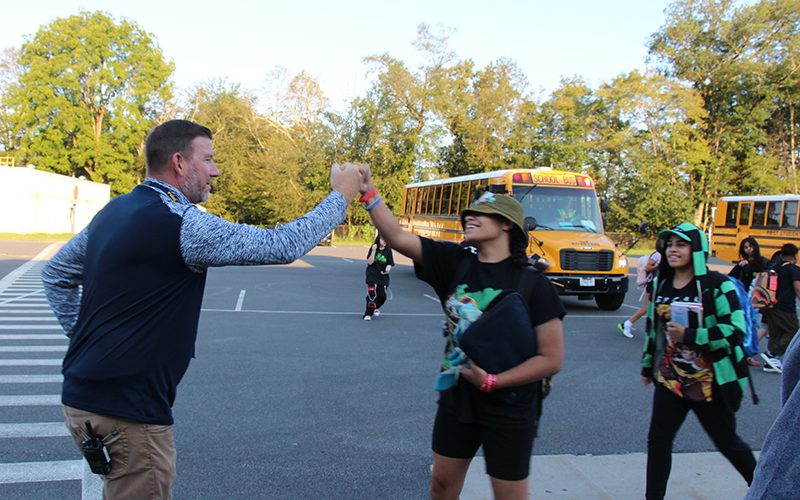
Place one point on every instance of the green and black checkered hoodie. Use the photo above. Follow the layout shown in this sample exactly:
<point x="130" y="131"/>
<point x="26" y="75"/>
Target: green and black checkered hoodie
<point x="723" y="318"/>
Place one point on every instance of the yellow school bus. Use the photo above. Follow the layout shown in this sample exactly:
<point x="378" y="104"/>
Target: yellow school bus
<point x="771" y="220"/>
<point x="561" y="211"/>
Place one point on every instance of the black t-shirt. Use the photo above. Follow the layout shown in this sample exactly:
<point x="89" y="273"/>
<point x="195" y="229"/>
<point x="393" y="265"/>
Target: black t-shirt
<point x="787" y="274"/>
<point x="683" y="369"/>
<point x="468" y="295"/>
<point x="745" y="273"/>
<point x="383" y="258"/>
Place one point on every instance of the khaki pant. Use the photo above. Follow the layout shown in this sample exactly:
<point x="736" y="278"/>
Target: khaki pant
<point x="142" y="455"/>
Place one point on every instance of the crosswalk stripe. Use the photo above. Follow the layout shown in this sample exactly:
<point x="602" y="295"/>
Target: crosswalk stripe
<point x="33" y="430"/>
<point x="29" y="327"/>
<point x="31" y="400"/>
<point x="30" y="362"/>
<point x="33" y="348"/>
<point x="32" y="336"/>
<point x="31" y="379"/>
<point x="41" y="310"/>
<point x="29" y="472"/>
<point x="22" y="318"/>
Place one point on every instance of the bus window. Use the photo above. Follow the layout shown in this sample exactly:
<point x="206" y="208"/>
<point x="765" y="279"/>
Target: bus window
<point x="454" y="199"/>
<point x="446" y="190"/>
<point x="759" y="213"/>
<point x="789" y="214"/>
<point x="774" y="213"/>
<point x="730" y="214"/>
<point x="464" y="200"/>
<point x="744" y="214"/>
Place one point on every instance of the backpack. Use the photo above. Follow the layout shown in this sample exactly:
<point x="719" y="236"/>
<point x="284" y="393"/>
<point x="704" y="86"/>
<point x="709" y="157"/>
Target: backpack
<point x="750" y="343"/>
<point x="642" y="276"/>
<point x="765" y="289"/>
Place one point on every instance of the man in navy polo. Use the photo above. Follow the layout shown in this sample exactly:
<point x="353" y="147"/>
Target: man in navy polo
<point x="128" y="288"/>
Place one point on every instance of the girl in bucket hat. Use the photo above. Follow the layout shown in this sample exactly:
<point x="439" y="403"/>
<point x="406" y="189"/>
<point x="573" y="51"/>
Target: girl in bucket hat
<point x="499" y="411"/>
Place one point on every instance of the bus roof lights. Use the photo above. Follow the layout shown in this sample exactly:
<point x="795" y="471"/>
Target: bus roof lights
<point x="521" y="178"/>
<point x="586" y="181"/>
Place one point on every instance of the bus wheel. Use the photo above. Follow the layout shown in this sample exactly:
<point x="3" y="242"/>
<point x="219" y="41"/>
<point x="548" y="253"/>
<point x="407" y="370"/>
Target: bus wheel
<point x="610" y="302"/>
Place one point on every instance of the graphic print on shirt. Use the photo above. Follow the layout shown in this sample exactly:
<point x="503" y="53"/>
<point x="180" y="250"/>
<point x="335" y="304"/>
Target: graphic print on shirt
<point x="682" y="369"/>
<point x="464" y="307"/>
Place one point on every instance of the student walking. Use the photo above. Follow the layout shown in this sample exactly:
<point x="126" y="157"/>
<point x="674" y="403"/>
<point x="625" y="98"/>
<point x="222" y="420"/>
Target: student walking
<point x="751" y="262"/>
<point x="379" y="262"/>
<point x="693" y="353"/>
<point x="644" y="278"/>
<point x="498" y="410"/>
<point x="782" y="318"/>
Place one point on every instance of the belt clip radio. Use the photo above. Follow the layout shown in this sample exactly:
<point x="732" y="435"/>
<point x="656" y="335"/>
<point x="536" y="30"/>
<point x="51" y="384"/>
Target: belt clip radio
<point x="95" y="452"/>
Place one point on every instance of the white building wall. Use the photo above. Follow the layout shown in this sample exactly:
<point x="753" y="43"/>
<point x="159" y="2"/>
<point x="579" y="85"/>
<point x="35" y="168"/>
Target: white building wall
<point x="34" y="201"/>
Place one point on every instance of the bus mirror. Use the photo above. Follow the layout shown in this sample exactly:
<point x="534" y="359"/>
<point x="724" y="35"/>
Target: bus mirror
<point x="603" y="205"/>
<point x="644" y="228"/>
<point x="530" y="223"/>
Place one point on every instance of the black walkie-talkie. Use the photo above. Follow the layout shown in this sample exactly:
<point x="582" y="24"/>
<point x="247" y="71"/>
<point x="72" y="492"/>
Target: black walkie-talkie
<point x="95" y="452"/>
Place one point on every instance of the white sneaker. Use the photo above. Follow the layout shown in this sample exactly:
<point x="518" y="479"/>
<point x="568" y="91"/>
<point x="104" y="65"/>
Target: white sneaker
<point x="377" y="312"/>
<point x="773" y="364"/>
<point x="367" y="318"/>
<point x="625" y="328"/>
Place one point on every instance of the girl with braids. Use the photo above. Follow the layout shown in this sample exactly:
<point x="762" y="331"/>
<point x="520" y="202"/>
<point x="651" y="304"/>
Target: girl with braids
<point x="499" y="411"/>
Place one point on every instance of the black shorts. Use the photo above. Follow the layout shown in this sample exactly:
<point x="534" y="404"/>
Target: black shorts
<point x="506" y="450"/>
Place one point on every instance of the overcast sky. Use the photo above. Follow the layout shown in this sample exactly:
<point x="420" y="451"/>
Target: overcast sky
<point x="245" y="40"/>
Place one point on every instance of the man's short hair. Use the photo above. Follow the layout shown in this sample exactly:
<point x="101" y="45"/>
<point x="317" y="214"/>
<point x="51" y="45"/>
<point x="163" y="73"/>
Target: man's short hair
<point x="174" y="136"/>
<point x="788" y="250"/>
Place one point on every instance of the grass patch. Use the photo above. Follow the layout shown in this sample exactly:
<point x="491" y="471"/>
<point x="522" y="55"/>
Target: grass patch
<point x="36" y="236"/>
<point x="351" y="243"/>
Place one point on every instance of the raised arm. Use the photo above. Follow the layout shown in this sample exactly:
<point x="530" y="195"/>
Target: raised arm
<point x="386" y="223"/>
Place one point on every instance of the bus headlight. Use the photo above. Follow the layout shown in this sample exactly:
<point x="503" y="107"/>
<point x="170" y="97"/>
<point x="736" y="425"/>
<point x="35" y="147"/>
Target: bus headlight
<point x="623" y="261"/>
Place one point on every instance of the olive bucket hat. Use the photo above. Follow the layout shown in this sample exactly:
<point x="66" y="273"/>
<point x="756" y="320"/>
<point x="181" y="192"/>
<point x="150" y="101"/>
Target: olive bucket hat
<point x="499" y="204"/>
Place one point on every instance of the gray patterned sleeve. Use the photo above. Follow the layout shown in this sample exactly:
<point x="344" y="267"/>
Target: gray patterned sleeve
<point x="62" y="278"/>
<point x="207" y="240"/>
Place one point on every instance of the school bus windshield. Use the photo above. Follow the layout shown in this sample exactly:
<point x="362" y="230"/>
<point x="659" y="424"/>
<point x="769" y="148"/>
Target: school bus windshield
<point x="562" y="209"/>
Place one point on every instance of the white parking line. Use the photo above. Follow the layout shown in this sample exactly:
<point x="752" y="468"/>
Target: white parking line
<point x="240" y="301"/>
<point x="34" y="400"/>
<point x="31" y="379"/>
<point x="33" y="430"/>
<point x="306" y="313"/>
<point x="435" y="299"/>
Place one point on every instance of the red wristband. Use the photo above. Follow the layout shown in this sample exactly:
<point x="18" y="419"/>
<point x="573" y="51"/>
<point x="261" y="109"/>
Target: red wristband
<point x="489" y="383"/>
<point x="369" y="194"/>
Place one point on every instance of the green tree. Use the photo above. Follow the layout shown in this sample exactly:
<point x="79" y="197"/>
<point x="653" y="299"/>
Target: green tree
<point x="89" y="90"/>
<point x="656" y="159"/>
<point x="741" y="62"/>
<point x="480" y="109"/>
